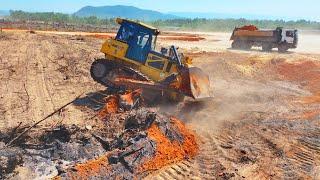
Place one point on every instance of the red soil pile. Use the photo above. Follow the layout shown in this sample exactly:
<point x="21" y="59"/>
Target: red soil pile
<point x="190" y="146"/>
<point x="167" y="151"/>
<point x="111" y="106"/>
<point x="130" y="98"/>
<point x="306" y="73"/>
<point x="101" y="36"/>
<point x="249" y="28"/>
<point x="115" y="102"/>
<point x="312" y="99"/>
<point x="311" y="114"/>
<point x="90" y="168"/>
<point x="190" y="38"/>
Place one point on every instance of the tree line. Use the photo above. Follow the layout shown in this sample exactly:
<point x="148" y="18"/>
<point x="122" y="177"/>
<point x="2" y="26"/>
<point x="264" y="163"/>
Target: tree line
<point x="230" y="24"/>
<point x="58" y="18"/>
<point x="172" y="24"/>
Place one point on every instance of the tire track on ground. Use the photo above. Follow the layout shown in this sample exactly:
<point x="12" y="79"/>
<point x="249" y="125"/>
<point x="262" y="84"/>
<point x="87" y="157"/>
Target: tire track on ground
<point x="205" y="165"/>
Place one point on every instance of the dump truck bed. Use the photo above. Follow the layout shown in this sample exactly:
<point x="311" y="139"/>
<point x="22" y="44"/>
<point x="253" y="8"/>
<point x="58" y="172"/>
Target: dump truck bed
<point x="255" y="35"/>
<point x="258" y="33"/>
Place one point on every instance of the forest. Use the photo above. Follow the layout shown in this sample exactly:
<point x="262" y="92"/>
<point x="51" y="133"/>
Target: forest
<point x="197" y="24"/>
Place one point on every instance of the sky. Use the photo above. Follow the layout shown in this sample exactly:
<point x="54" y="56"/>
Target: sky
<point x="308" y="9"/>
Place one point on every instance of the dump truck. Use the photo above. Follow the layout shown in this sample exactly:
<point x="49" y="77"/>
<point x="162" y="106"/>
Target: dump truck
<point x="248" y="36"/>
<point x="132" y="61"/>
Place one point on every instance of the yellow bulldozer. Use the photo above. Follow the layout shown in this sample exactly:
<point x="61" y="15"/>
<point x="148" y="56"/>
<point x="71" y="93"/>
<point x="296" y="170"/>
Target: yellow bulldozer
<point x="131" y="61"/>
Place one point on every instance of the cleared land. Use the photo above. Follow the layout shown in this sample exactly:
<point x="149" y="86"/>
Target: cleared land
<point x="263" y="122"/>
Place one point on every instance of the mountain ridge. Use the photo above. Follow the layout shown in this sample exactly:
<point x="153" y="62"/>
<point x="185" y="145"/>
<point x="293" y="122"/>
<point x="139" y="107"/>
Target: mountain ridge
<point x="130" y="12"/>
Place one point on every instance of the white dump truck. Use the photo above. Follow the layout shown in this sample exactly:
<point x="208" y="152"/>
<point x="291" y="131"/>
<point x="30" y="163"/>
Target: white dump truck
<point x="248" y="36"/>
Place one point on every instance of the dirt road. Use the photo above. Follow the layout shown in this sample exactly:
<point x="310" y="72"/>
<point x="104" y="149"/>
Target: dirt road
<point x="309" y="42"/>
<point x="40" y="73"/>
<point x="262" y="124"/>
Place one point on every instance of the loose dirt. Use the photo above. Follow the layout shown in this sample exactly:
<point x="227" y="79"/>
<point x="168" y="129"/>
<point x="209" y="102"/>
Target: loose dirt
<point x="263" y="122"/>
<point x="165" y="36"/>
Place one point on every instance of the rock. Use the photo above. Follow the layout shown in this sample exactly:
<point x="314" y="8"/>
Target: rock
<point x="41" y="168"/>
<point x="2" y="145"/>
<point x="89" y="127"/>
<point x="140" y="120"/>
<point x="10" y="158"/>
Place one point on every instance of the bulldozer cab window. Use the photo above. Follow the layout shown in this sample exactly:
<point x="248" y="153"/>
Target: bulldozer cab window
<point x="139" y="46"/>
<point x="143" y="40"/>
<point x="153" y="43"/>
<point x="158" y="64"/>
<point x="125" y="33"/>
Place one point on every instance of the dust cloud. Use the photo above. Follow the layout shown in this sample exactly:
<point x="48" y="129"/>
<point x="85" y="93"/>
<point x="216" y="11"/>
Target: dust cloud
<point x="236" y="96"/>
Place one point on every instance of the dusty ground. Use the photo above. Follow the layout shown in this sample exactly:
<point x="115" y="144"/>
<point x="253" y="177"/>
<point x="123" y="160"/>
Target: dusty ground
<point x="260" y="125"/>
<point x="263" y="122"/>
<point x="220" y="41"/>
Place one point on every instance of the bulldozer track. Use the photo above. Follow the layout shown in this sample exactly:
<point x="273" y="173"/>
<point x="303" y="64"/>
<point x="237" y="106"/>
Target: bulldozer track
<point x="116" y="66"/>
<point x="150" y="95"/>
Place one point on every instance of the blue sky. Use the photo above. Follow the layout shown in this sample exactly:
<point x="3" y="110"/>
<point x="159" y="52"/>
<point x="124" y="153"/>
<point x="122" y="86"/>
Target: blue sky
<point x="308" y="9"/>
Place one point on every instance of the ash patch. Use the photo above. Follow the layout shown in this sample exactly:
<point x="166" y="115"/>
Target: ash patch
<point x="9" y="159"/>
<point x="66" y="151"/>
<point x="45" y="153"/>
<point x="127" y="151"/>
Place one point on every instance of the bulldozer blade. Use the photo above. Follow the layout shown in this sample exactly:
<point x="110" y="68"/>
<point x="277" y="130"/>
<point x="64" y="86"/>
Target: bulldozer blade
<point x="195" y="83"/>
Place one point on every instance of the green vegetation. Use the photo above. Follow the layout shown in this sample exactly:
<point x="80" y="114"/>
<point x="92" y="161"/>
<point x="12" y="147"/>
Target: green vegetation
<point x="59" y="18"/>
<point x="230" y="24"/>
<point x="176" y="24"/>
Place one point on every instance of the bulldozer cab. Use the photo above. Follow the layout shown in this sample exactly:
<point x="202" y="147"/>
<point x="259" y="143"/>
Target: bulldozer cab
<point x="141" y="39"/>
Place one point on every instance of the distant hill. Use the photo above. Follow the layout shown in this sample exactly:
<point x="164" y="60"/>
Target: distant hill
<point x="123" y="11"/>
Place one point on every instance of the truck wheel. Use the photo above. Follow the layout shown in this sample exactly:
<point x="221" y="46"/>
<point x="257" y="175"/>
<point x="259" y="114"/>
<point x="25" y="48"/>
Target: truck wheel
<point x="266" y="47"/>
<point x="246" y="45"/>
<point x="282" y="48"/>
<point x="235" y="44"/>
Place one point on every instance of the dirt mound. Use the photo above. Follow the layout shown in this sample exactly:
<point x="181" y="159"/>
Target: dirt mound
<point x="45" y="151"/>
<point x="306" y="73"/>
<point x="131" y="141"/>
<point x="136" y="151"/>
<point x="170" y="149"/>
<point x="249" y="28"/>
<point x="182" y="37"/>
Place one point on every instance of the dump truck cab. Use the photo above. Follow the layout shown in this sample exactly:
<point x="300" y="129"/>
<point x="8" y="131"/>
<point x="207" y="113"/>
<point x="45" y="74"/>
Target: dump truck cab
<point x="290" y="37"/>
